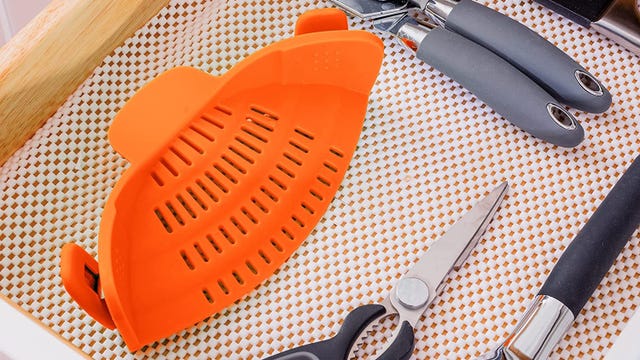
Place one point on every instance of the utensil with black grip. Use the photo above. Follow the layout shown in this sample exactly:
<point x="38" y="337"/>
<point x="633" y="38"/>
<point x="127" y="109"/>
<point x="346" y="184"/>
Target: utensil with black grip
<point x="411" y="295"/>
<point x="577" y="273"/>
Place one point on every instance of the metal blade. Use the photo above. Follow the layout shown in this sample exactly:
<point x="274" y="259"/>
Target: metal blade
<point x="372" y="9"/>
<point x="393" y="24"/>
<point x="453" y="248"/>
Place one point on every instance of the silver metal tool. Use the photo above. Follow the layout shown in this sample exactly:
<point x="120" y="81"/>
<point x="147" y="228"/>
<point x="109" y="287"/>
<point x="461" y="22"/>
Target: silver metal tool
<point x="577" y="273"/>
<point x="412" y="294"/>
<point x="523" y="77"/>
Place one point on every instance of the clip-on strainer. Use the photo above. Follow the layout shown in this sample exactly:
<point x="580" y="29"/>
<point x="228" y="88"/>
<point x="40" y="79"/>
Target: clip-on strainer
<point x="228" y="176"/>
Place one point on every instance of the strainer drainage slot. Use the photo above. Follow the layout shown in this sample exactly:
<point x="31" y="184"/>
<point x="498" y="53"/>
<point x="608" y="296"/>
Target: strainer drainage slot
<point x="168" y="166"/>
<point x="276" y="245"/>
<point x="202" y="133"/>
<point x="251" y="267"/>
<point x="330" y="167"/>
<point x="207" y="296"/>
<point x="323" y="181"/>
<point x="224" y="110"/>
<point x="286" y="171"/>
<point x="213" y="243"/>
<point x="297" y="221"/>
<point x="196" y="198"/>
<point x="186" y="260"/>
<point x="180" y="156"/>
<point x="174" y="213"/>
<point x="242" y="155"/>
<point x="298" y="146"/>
<point x="238" y="226"/>
<point x="269" y="194"/>
<point x="234" y="165"/>
<point x="253" y="134"/>
<point x="191" y="144"/>
<point x="204" y="256"/>
<point x="157" y="179"/>
<point x="206" y="191"/>
<point x="225" y="173"/>
<point x="315" y="195"/>
<point x="186" y="206"/>
<point x="304" y="134"/>
<point x="336" y="152"/>
<point x="292" y="159"/>
<point x="208" y="118"/>
<point x="277" y="182"/>
<point x="264" y="257"/>
<point x="238" y="278"/>
<point x="259" y="205"/>
<point x="163" y="220"/>
<point x="287" y="233"/>
<point x="259" y="124"/>
<point x="248" y="215"/>
<point x="248" y="145"/>
<point x="216" y="182"/>
<point x="264" y="113"/>
<point x="308" y="208"/>
<point x="226" y="235"/>
<point x="223" y="287"/>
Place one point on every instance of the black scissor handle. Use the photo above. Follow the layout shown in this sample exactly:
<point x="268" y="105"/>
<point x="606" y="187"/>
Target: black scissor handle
<point x="402" y="346"/>
<point x="337" y="348"/>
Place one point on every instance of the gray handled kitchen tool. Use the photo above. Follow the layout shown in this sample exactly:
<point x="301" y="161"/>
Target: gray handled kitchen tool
<point x="617" y="19"/>
<point x="577" y="273"/>
<point x="412" y="294"/>
<point x="511" y="68"/>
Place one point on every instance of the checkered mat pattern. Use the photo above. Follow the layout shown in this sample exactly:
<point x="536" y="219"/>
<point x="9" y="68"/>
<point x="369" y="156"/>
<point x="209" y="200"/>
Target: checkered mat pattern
<point x="428" y="151"/>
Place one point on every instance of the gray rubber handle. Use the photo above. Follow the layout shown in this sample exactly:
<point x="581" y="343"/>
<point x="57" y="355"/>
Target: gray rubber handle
<point x="500" y="85"/>
<point x="549" y="66"/>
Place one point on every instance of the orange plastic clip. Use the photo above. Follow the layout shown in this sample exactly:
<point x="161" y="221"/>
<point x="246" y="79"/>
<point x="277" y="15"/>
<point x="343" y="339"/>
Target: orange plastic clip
<point x="228" y="176"/>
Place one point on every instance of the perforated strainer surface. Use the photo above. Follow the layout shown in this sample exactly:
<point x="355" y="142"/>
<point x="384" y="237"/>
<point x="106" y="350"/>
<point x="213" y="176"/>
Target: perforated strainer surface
<point x="429" y="150"/>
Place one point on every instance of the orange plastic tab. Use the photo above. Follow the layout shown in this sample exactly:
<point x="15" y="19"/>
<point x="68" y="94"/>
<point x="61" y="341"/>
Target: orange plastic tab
<point x="81" y="279"/>
<point x="228" y="176"/>
<point x="321" y="20"/>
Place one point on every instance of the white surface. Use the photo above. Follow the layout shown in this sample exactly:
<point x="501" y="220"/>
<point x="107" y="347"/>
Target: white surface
<point x="5" y="24"/>
<point x="23" y="339"/>
<point x="15" y="14"/>
<point x="627" y="347"/>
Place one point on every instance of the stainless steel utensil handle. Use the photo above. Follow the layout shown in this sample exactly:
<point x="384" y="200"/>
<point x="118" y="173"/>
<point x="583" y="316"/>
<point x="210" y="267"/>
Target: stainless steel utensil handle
<point x="496" y="82"/>
<point x="579" y="271"/>
<point x="621" y="22"/>
<point x="549" y="66"/>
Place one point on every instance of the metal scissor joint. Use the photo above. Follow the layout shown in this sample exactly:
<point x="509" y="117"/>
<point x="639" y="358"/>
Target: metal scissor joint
<point x="411" y="295"/>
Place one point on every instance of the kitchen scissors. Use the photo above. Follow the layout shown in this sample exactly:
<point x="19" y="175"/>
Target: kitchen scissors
<point x="412" y="294"/>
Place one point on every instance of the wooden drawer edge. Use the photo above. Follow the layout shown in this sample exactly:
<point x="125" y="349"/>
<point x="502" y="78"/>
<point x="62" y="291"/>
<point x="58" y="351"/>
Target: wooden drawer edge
<point x="46" y="61"/>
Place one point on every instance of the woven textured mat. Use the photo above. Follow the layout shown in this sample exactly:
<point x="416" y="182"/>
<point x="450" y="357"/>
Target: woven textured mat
<point x="428" y="151"/>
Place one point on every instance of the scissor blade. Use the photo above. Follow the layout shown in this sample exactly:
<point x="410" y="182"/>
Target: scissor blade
<point x="372" y="9"/>
<point x="453" y="248"/>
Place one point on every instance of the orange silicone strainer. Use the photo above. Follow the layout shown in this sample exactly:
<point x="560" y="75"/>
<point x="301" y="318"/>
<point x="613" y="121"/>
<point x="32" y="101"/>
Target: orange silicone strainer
<point x="228" y="176"/>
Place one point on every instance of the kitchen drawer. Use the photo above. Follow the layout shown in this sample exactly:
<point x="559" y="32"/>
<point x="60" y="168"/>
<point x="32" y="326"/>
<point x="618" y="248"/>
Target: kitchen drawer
<point x="428" y="150"/>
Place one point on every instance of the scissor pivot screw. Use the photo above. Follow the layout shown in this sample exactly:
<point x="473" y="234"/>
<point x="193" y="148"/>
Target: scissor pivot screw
<point x="412" y="293"/>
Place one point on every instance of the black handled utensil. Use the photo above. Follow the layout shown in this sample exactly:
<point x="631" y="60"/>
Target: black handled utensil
<point x="412" y="294"/>
<point x="577" y="273"/>
<point x="617" y="19"/>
